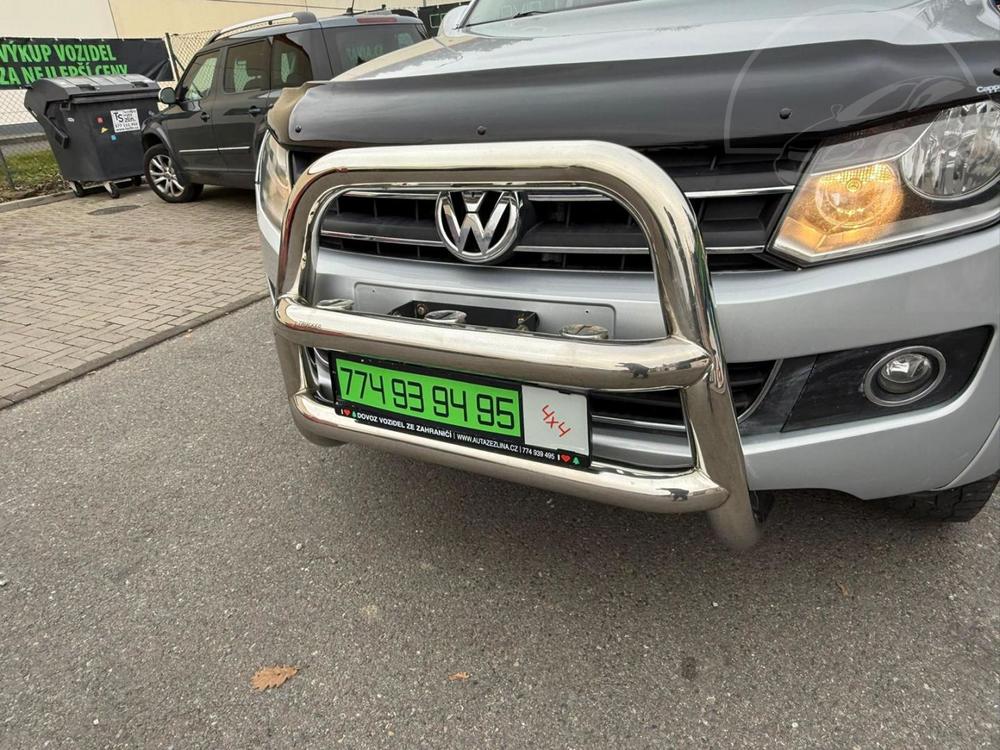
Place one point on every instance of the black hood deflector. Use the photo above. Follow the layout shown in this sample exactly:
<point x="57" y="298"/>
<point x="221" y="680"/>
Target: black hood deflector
<point x="771" y="95"/>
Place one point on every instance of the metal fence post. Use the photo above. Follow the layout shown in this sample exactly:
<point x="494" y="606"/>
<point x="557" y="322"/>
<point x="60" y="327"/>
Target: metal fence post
<point x="174" y="65"/>
<point x="6" y="170"/>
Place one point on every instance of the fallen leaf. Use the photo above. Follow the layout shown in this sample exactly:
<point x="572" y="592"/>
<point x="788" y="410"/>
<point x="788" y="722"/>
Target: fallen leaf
<point x="843" y="589"/>
<point x="458" y="677"/>
<point x="272" y="677"/>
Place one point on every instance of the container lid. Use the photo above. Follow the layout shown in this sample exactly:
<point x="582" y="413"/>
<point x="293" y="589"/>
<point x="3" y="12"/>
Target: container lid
<point x="46" y="90"/>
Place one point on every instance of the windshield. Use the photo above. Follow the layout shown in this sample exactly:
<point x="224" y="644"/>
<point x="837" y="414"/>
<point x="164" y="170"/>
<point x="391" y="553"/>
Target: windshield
<point x="487" y="11"/>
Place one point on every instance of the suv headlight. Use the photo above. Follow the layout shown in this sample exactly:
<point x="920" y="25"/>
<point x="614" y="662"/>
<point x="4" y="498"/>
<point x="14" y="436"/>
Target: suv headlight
<point x="895" y="187"/>
<point x="274" y="180"/>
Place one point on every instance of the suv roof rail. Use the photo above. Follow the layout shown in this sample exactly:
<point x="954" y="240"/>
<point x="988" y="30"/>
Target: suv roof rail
<point x="300" y="16"/>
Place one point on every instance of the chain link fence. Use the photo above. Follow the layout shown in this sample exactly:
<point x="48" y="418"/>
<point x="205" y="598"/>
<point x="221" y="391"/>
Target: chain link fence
<point x="182" y="47"/>
<point x="27" y="166"/>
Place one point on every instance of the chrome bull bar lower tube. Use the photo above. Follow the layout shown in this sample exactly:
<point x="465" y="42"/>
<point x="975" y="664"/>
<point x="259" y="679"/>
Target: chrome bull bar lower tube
<point x="689" y="357"/>
<point x="664" y="363"/>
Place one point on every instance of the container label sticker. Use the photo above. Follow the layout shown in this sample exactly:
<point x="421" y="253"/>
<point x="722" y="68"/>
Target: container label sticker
<point x="125" y="120"/>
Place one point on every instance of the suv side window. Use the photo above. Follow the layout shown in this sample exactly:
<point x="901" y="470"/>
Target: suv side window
<point x="290" y="64"/>
<point x="247" y="67"/>
<point x="198" y="80"/>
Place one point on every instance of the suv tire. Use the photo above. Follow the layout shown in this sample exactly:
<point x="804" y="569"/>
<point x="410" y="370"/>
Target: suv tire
<point x="166" y="180"/>
<point x="957" y="504"/>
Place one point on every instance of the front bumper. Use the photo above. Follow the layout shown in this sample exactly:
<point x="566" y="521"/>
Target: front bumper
<point x="688" y="357"/>
<point x="940" y="287"/>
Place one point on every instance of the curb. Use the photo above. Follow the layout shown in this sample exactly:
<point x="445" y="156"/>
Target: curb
<point x="138" y="346"/>
<point x="38" y="200"/>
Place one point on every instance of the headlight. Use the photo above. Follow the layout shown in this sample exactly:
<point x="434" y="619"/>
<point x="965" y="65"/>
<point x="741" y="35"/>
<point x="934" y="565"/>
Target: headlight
<point x="274" y="180"/>
<point x="958" y="155"/>
<point x="885" y="189"/>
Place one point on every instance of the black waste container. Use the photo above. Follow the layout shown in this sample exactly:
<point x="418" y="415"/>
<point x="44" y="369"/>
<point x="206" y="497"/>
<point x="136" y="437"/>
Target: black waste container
<point x="93" y="125"/>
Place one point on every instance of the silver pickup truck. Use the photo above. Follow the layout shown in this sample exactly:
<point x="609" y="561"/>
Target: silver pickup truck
<point x="663" y="254"/>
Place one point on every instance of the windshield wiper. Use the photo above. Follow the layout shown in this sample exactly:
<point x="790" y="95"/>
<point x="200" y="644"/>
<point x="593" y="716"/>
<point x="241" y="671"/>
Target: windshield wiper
<point x="522" y="14"/>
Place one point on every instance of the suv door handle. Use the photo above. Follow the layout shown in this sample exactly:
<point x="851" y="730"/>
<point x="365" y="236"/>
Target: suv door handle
<point x="205" y="117"/>
<point x="254" y="110"/>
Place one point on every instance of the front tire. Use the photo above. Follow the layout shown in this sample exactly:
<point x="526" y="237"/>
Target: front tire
<point x="956" y="505"/>
<point x="165" y="178"/>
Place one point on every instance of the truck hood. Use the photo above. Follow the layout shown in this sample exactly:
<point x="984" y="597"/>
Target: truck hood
<point x="661" y="72"/>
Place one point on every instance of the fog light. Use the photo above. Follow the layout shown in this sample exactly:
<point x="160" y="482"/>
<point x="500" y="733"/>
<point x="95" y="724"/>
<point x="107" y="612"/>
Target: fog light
<point x="906" y="373"/>
<point x="904" y="376"/>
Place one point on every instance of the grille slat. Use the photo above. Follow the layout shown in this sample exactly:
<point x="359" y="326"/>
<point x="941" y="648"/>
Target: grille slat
<point x="397" y="229"/>
<point x="662" y="409"/>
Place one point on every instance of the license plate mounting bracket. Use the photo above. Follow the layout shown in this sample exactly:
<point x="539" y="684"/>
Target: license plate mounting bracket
<point x="485" y="317"/>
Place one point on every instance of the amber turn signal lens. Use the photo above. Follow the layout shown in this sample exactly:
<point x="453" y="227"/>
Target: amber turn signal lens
<point x="843" y="208"/>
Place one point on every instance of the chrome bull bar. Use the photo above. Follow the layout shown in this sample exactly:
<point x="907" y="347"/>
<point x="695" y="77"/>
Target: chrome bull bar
<point x="688" y="358"/>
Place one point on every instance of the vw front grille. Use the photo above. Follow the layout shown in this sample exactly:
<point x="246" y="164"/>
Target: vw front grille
<point x="737" y="202"/>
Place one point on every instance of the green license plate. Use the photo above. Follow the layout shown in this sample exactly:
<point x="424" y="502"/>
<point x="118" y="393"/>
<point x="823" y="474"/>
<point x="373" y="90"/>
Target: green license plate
<point x="542" y="424"/>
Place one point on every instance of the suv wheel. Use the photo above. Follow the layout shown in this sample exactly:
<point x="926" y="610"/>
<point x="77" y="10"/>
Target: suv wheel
<point x="957" y="504"/>
<point x="166" y="180"/>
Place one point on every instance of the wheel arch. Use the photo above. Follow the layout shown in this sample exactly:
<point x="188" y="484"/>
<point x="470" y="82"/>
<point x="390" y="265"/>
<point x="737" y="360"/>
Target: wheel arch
<point x="151" y="139"/>
<point x="154" y="134"/>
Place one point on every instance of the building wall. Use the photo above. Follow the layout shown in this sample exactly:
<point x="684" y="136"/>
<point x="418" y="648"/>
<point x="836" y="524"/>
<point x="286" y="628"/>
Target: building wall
<point x="143" y="18"/>
<point x="70" y="18"/>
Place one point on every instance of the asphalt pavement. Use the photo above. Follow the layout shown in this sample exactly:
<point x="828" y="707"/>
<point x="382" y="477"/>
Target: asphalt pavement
<point x="165" y="533"/>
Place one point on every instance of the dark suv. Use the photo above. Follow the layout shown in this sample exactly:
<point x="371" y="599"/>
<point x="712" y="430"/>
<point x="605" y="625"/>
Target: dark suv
<point x="215" y="119"/>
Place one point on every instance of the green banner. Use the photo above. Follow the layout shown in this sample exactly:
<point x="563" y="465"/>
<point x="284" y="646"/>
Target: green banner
<point x="23" y="61"/>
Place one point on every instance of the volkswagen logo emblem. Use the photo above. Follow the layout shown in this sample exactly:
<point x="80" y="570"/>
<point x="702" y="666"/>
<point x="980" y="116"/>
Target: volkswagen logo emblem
<point x="479" y="227"/>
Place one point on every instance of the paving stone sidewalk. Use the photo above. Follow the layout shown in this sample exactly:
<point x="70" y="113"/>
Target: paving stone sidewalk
<point x="87" y="281"/>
